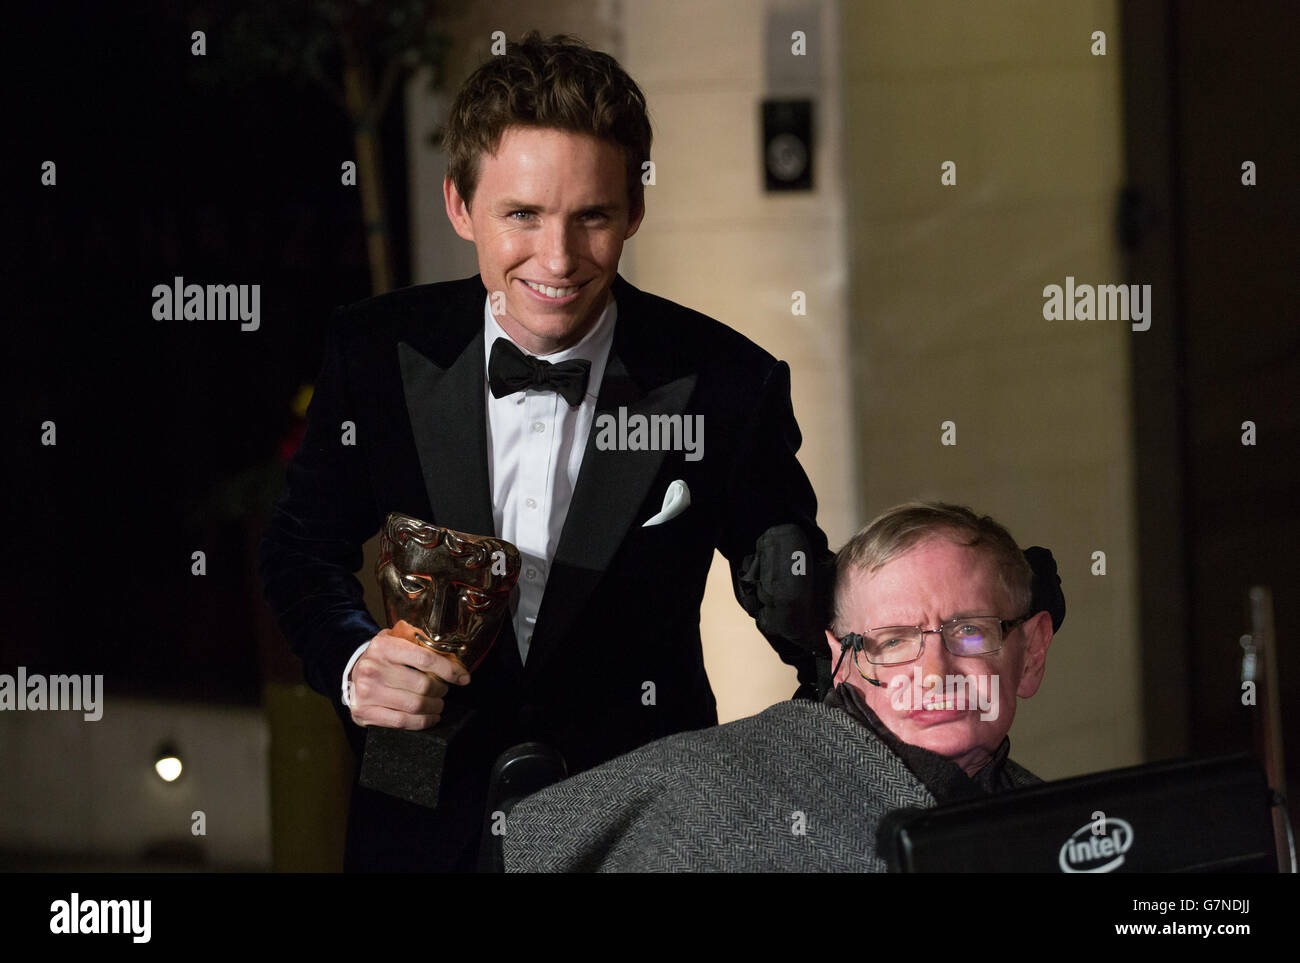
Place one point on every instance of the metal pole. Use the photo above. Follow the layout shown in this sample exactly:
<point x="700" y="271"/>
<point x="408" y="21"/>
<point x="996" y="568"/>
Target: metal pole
<point x="1261" y="654"/>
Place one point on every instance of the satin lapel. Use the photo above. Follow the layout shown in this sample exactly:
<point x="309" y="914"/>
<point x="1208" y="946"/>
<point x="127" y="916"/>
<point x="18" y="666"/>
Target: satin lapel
<point x="449" y="419"/>
<point x="448" y="412"/>
<point x="612" y="485"/>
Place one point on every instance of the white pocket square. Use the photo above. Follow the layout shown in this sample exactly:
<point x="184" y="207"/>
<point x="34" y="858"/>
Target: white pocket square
<point x="676" y="501"/>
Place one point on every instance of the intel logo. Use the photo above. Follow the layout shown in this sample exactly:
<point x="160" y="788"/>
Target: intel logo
<point x="1087" y="851"/>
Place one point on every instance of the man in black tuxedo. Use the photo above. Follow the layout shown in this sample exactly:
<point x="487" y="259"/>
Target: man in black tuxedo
<point x="512" y="403"/>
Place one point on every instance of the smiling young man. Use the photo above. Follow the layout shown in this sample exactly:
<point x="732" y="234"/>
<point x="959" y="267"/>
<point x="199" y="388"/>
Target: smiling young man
<point x="470" y="404"/>
<point x="802" y="786"/>
<point x="551" y="217"/>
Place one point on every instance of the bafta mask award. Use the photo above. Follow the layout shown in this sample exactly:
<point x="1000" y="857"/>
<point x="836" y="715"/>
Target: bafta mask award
<point x="454" y="590"/>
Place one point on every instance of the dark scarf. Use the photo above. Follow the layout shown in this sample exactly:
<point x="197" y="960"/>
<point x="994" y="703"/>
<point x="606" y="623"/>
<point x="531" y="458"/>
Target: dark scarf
<point x="945" y="780"/>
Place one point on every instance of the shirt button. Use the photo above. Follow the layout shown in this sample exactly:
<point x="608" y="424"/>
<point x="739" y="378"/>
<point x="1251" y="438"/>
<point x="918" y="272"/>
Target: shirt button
<point x="532" y="573"/>
<point x="530" y="502"/>
<point x="538" y="427"/>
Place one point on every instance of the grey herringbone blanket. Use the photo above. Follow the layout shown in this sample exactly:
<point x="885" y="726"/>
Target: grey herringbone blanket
<point x="799" y="787"/>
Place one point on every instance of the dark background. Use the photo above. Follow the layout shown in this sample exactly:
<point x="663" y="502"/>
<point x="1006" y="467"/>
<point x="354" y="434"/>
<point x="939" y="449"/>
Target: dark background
<point x="169" y="432"/>
<point x="1206" y="87"/>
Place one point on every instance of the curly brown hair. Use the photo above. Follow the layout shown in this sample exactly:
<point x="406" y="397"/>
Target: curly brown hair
<point x="559" y="83"/>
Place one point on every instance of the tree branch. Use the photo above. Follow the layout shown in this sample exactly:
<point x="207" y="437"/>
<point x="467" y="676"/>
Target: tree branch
<point x="392" y="73"/>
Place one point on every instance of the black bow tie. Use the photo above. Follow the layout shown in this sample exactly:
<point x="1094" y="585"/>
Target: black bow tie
<point x="510" y="370"/>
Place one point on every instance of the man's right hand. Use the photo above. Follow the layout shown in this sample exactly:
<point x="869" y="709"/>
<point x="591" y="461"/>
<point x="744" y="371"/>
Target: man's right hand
<point x="399" y="684"/>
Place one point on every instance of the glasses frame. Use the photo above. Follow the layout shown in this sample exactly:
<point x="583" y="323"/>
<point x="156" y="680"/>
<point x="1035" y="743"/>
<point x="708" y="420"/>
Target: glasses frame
<point x="857" y="642"/>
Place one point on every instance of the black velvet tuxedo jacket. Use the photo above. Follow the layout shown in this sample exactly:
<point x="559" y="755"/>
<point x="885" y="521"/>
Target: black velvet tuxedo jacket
<point x="622" y="601"/>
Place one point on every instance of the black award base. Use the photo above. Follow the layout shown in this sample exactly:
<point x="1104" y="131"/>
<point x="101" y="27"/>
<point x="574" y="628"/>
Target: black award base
<point x="408" y="763"/>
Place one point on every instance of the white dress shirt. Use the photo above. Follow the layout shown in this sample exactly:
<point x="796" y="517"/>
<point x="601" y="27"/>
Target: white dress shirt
<point x="535" y="448"/>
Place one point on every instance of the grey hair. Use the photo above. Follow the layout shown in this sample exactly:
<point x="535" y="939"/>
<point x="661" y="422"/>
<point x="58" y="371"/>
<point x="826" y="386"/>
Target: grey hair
<point x="903" y="527"/>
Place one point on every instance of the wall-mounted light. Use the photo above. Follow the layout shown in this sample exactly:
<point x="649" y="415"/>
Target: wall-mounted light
<point x="787" y="145"/>
<point x="167" y="762"/>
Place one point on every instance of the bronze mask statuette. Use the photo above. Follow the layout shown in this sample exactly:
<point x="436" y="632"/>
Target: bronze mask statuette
<point x="450" y="592"/>
<point x="453" y="588"/>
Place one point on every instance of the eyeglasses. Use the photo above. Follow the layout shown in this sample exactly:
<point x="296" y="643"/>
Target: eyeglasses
<point x="897" y="644"/>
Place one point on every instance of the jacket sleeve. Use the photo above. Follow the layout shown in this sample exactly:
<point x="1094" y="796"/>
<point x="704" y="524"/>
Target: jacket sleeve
<point x="584" y="825"/>
<point x="638" y="813"/>
<point x="313" y="544"/>
<point x="780" y="563"/>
